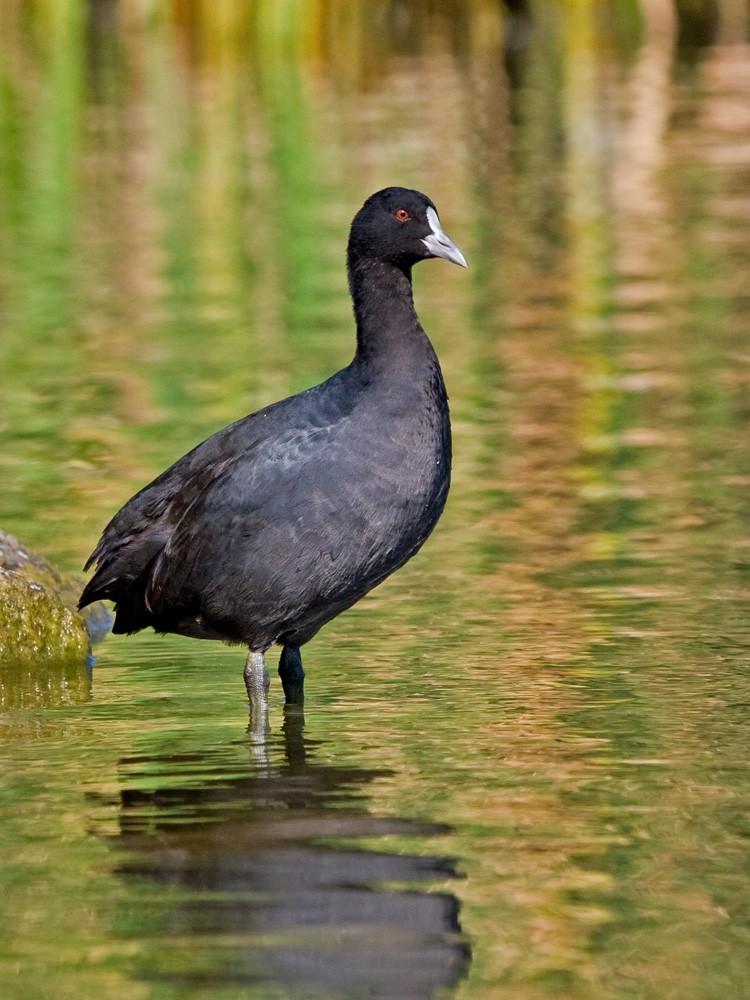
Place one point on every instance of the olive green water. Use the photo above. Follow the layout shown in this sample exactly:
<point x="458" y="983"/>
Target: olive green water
<point x="522" y="771"/>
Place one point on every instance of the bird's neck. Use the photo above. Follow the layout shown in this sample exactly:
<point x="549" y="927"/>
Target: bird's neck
<point x="388" y="329"/>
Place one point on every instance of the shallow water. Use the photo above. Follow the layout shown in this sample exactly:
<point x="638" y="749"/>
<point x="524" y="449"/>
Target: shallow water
<point x="522" y="769"/>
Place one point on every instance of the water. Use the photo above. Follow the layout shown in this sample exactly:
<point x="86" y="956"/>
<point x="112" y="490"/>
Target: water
<point x="522" y="767"/>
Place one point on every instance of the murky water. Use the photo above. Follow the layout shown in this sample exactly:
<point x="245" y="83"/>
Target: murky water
<point x="522" y="770"/>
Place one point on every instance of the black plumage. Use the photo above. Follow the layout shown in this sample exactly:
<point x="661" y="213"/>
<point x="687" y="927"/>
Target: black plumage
<point x="279" y="522"/>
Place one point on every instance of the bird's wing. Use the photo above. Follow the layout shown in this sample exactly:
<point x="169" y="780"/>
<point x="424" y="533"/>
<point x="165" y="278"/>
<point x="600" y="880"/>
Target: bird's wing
<point x="252" y="517"/>
<point x="143" y="526"/>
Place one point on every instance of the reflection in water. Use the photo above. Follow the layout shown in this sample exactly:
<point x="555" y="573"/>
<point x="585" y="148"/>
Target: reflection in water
<point x="43" y="684"/>
<point x="263" y="887"/>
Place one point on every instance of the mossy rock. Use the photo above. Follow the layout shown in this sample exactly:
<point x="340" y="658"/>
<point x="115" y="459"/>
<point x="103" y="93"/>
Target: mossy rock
<point x="17" y="558"/>
<point x="45" y="644"/>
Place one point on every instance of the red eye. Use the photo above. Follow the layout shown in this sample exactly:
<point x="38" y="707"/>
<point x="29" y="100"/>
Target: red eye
<point x="402" y="215"/>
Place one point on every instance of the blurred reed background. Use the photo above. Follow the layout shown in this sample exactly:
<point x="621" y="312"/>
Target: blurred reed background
<point x="177" y="180"/>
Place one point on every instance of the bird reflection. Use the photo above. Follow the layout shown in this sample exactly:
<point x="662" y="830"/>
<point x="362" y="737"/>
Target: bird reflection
<point x="262" y="884"/>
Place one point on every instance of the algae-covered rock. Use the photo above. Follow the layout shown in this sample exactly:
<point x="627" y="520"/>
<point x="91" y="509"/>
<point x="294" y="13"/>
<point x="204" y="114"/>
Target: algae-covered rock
<point x="45" y="644"/>
<point x="17" y="558"/>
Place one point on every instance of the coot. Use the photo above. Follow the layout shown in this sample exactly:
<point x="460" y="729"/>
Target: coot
<point x="279" y="522"/>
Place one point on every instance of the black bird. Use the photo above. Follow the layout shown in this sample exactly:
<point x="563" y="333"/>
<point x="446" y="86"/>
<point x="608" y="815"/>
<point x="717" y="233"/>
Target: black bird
<point x="279" y="522"/>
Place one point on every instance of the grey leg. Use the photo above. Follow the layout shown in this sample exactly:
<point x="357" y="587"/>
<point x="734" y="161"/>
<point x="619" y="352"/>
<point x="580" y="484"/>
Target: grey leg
<point x="258" y="731"/>
<point x="292" y="675"/>
<point x="256" y="679"/>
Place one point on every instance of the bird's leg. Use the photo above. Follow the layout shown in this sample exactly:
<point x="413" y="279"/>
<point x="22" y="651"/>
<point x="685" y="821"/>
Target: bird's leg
<point x="256" y="679"/>
<point x="257" y="682"/>
<point x="292" y="675"/>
